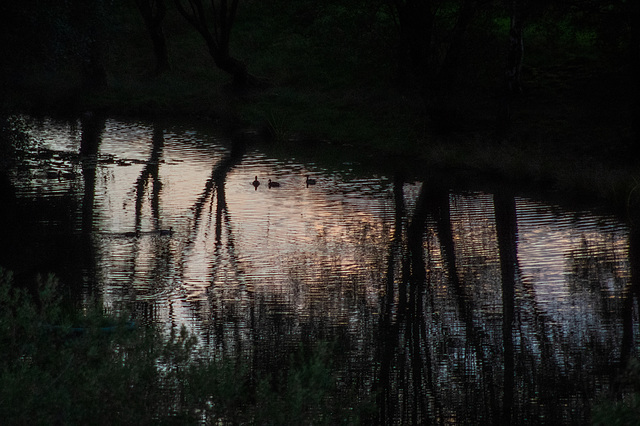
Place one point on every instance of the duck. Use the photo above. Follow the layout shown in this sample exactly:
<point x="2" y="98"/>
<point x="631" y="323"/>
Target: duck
<point x="310" y="181"/>
<point x="256" y="183"/>
<point x="273" y="184"/>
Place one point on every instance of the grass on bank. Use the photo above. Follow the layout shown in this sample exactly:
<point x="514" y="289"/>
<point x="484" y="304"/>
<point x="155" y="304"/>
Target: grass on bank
<point x="622" y="411"/>
<point x="60" y="366"/>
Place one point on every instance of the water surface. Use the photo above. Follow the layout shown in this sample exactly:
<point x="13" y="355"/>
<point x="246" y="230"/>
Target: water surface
<point x="451" y="306"/>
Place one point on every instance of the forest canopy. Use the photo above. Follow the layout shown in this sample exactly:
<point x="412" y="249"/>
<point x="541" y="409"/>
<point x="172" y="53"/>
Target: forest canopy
<point x="444" y="60"/>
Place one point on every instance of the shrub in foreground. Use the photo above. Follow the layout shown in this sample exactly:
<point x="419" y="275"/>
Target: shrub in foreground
<point x="58" y="367"/>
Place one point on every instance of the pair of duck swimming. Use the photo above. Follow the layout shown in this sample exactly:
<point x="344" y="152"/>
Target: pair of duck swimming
<point x="272" y="184"/>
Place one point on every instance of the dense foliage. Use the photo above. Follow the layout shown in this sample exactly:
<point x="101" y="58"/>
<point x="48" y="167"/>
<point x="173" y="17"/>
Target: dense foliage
<point x="442" y="51"/>
<point x="61" y="367"/>
<point x="389" y="74"/>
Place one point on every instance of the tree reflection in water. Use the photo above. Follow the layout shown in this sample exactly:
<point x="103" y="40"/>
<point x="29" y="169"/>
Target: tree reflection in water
<point x="443" y="306"/>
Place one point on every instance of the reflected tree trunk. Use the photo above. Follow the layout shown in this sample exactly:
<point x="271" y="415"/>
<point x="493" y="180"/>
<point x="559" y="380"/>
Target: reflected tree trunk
<point x="9" y="235"/>
<point x="388" y="333"/>
<point x="415" y="322"/>
<point x="154" y="162"/>
<point x="215" y="187"/>
<point x="631" y="298"/>
<point x="507" y="231"/>
<point x="151" y="170"/>
<point x="474" y="333"/>
<point x="404" y="339"/>
<point x="406" y="374"/>
<point x="414" y="272"/>
<point x="219" y="177"/>
<point x="92" y="127"/>
<point x="221" y="207"/>
<point x="217" y="181"/>
<point x="442" y="215"/>
<point x="394" y="249"/>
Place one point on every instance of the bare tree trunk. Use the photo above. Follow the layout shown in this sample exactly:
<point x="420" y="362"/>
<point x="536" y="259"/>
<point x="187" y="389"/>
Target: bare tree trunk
<point x="214" y="25"/>
<point x="513" y="69"/>
<point x="415" y="19"/>
<point x="432" y="65"/>
<point x="94" y="73"/>
<point x="92" y="35"/>
<point x="235" y="67"/>
<point x="449" y="68"/>
<point x="634" y="59"/>
<point x="389" y="329"/>
<point x="153" y="13"/>
<point x="515" y="54"/>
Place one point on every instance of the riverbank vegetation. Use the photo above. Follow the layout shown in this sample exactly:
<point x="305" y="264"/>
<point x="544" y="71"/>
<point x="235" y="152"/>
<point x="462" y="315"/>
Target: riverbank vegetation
<point x="58" y="366"/>
<point x="447" y="91"/>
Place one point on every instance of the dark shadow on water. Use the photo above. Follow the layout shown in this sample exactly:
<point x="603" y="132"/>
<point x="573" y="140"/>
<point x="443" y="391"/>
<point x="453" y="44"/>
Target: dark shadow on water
<point x="507" y="232"/>
<point x="451" y="326"/>
<point x="92" y="127"/>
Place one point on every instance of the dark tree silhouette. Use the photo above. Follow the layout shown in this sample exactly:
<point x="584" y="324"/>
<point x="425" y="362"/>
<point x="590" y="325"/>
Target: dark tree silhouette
<point x="515" y="53"/>
<point x="520" y="13"/>
<point x="214" y="24"/>
<point x="153" y="13"/>
<point x="430" y="48"/>
<point x="634" y="55"/>
<point x="92" y="22"/>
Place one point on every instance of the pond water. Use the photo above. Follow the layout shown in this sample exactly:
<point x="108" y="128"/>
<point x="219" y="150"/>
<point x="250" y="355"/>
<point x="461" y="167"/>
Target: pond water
<point x="449" y="306"/>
